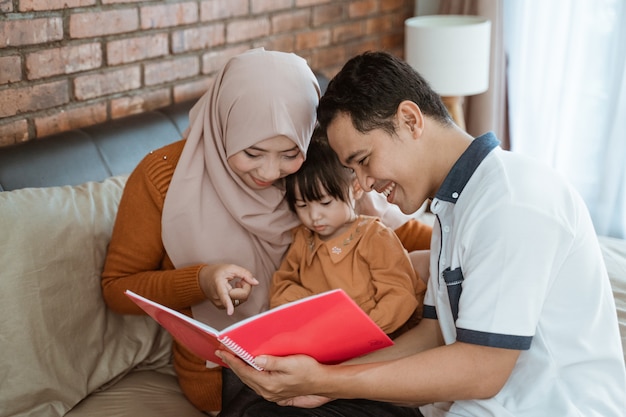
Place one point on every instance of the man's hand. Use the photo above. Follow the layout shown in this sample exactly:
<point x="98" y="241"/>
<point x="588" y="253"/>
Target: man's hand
<point x="286" y="381"/>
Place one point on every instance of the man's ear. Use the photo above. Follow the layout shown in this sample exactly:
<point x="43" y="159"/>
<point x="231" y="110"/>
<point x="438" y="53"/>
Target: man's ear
<point x="357" y="191"/>
<point x="410" y="117"/>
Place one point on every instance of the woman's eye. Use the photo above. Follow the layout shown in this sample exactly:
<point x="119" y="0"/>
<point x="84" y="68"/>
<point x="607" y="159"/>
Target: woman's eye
<point x="250" y="155"/>
<point x="363" y="161"/>
<point x="291" y="156"/>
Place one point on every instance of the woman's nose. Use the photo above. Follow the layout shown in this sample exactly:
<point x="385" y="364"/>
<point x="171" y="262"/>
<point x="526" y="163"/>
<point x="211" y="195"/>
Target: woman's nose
<point x="270" y="170"/>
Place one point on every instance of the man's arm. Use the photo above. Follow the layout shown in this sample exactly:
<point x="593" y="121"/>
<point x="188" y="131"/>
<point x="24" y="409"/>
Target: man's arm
<point x="412" y="372"/>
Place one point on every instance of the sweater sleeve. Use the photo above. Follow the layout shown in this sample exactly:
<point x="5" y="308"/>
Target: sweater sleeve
<point x="136" y="259"/>
<point x="414" y="235"/>
<point x="286" y="284"/>
<point x="398" y="291"/>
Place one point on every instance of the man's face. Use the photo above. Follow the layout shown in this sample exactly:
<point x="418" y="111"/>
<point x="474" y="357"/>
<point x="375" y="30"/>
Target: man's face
<point x="381" y="162"/>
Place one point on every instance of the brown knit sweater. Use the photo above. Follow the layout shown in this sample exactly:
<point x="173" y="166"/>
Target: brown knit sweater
<point x="137" y="261"/>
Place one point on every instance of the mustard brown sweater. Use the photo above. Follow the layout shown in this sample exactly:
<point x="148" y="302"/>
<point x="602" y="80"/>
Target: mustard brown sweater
<point x="136" y="260"/>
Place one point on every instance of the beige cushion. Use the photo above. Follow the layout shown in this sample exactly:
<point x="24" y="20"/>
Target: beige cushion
<point x="614" y="252"/>
<point x="140" y="393"/>
<point x="58" y="341"/>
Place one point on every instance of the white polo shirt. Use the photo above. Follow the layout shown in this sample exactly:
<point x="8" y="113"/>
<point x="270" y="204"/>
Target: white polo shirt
<point x="515" y="263"/>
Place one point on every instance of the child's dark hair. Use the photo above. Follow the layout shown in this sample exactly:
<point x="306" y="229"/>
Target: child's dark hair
<point x="320" y="174"/>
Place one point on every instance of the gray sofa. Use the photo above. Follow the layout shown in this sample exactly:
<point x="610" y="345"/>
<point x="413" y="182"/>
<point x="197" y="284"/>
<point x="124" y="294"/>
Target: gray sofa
<point x="63" y="351"/>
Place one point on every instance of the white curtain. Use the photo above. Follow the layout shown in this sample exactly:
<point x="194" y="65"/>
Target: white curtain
<point x="567" y="96"/>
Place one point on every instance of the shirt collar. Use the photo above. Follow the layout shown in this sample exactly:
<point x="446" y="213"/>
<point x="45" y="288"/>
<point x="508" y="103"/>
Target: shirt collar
<point x="464" y="167"/>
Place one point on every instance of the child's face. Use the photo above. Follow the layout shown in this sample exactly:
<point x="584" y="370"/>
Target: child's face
<point x="328" y="217"/>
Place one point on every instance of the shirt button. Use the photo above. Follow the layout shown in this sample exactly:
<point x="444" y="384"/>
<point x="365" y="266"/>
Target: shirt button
<point x="446" y="229"/>
<point x="455" y="195"/>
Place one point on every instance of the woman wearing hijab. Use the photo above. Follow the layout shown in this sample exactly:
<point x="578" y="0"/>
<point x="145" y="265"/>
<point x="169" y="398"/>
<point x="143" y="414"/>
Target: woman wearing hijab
<point x="199" y="217"/>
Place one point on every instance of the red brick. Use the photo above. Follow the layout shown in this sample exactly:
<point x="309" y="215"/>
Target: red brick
<point x="392" y="5"/>
<point x="304" y="3"/>
<point x="379" y="25"/>
<point x="192" y="90"/>
<point x="328" y="57"/>
<point x="30" y="31"/>
<point x="263" y="6"/>
<point x="362" y="8"/>
<point x="393" y="42"/>
<point x="120" y="1"/>
<point x="98" y="23"/>
<point x="215" y="60"/>
<point x="198" y="38"/>
<point x="222" y="9"/>
<point x="6" y="6"/>
<point x="162" y="72"/>
<point x="331" y="13"/>
<point x="243" y="30"/>
<point x="38" y="5"/>
<point x="36" y="97"/>
<point x="10" y="69"/>
<point x="285" y="42"/>
<point x="356" y="48"/>
<point x="123" y="51"/>
<point x="64" y="60"/>
<point x="68" y="119"/>
<point x="290" y="21"/>
<point x="13" y="132"/>
<point x="313" y="39"/>
<point x="140" y="103"/>
<point x="167" y="15"/>
<point x="110" y="82"/>
<point x="349" y="31"/>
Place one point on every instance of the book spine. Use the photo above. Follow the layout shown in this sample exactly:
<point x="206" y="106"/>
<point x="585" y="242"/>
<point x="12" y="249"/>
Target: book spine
<point x="239" y="351"/>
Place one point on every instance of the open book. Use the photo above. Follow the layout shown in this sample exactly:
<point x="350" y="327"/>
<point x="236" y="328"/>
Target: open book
<point x="329" y="327"/>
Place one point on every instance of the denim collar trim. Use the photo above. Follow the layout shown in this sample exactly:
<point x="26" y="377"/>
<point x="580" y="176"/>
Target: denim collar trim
<point x="464" y="167"/>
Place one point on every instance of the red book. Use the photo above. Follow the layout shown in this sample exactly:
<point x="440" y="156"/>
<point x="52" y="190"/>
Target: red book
<point x="329" y="327"/>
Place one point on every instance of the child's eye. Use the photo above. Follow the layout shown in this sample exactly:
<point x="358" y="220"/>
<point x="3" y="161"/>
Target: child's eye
<point x="326" y="202"/>
<point x="300" y="205"/>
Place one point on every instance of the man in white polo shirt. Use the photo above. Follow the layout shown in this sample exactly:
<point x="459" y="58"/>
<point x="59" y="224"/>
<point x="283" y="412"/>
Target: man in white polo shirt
<point x="519" y="317"/>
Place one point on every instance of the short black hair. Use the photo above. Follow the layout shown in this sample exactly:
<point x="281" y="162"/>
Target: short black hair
<point x="370" y="87"/>
<point x="321" y="173"/>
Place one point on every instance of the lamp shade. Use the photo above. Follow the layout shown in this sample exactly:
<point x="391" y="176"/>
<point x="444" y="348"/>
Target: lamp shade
<point x="451" y="52"/>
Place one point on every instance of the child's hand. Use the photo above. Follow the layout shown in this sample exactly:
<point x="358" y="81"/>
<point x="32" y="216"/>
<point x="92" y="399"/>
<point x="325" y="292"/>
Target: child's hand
<point x="226" y="285"/>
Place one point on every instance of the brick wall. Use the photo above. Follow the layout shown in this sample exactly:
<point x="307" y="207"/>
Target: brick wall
<point x="66" y="64"/>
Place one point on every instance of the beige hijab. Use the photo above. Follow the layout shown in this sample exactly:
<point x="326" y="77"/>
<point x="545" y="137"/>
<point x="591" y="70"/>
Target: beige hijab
<point x="209" y="214"/>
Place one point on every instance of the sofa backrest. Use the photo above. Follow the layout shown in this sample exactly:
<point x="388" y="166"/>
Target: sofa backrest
<point x="93" y="153"/>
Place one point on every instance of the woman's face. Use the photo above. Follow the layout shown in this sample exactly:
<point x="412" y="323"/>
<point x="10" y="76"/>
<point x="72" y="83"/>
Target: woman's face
<point x="260" y="165"/>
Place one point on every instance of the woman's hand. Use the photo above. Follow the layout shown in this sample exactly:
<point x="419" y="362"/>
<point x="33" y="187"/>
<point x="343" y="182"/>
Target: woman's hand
<point x="226" y="285"/>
